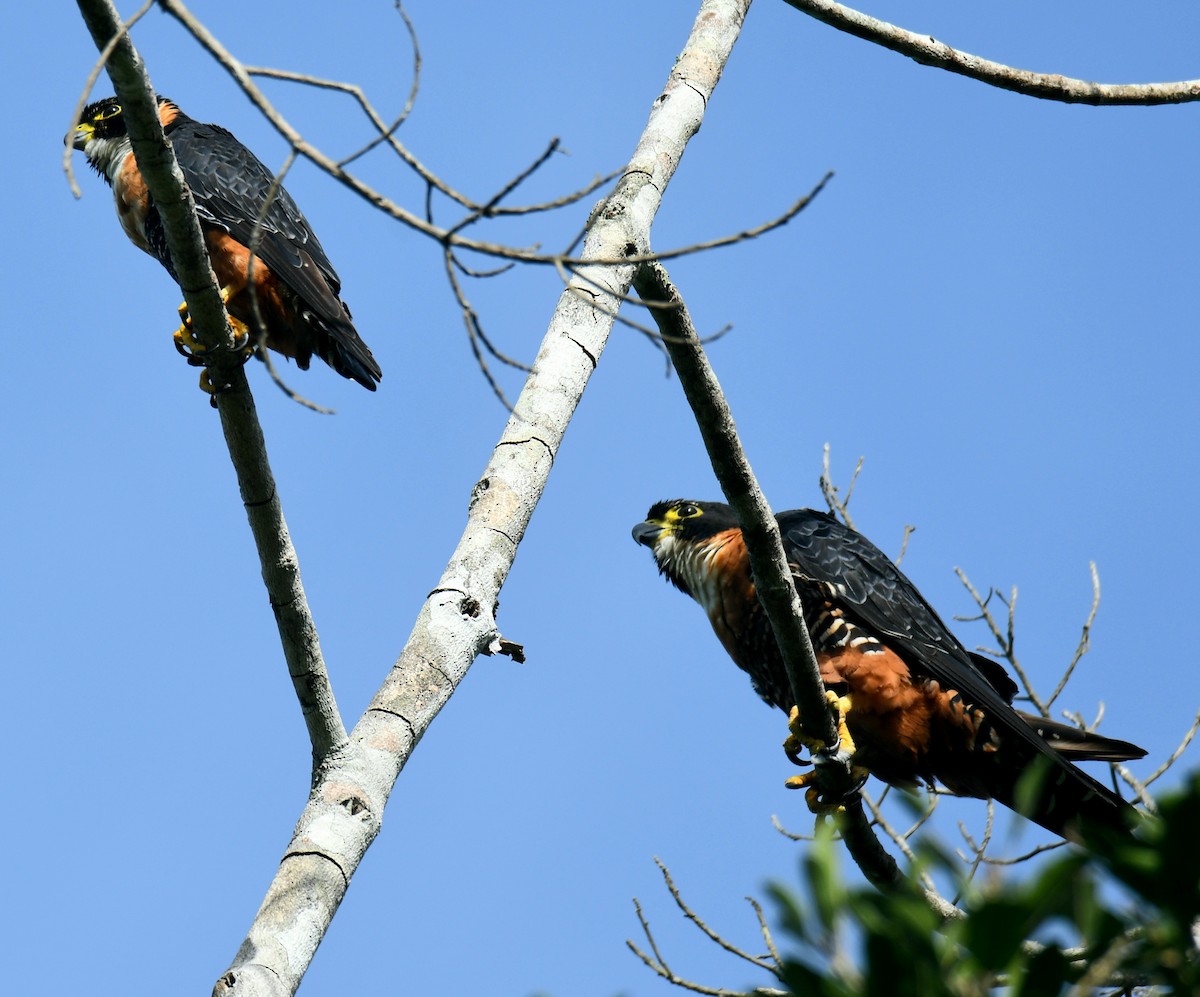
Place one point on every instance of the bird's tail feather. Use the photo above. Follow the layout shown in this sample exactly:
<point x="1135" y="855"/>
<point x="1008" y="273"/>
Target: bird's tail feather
<point x="1081" y="745"/>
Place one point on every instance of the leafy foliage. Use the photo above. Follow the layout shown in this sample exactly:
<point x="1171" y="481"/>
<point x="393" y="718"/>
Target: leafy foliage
<point x="1117" y="916"/>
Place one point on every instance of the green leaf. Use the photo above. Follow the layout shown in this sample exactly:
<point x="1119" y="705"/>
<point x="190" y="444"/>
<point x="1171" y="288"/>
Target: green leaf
<point x="825" y="881"/>
<point x="791" y="911"/>
<point x="994" y="932"/>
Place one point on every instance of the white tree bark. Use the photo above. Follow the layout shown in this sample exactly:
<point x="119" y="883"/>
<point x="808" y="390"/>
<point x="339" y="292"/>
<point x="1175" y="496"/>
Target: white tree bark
<point x="456" y="623"/>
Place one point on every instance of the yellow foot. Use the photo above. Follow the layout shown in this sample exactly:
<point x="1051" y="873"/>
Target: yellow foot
<point x="812" y="795"/>
<point x="822" y="754"/>
<point x="798" y="739"/>
<point x="207" y="386"/>
<point x="841" y="706"/>
<point x="189" y="345"/>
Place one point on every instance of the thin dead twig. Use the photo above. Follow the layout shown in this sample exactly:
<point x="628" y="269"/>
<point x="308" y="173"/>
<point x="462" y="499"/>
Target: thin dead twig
<point x="1004" y="638"/>
<point x="68" y="160"/>
<point x="1173" y="757"/>
<point x="768" y="940"/>
<point x="770" y="962"/>
<point x="979" y="850"/>
<point x="660" y="967"/>
<point x="477" y="336"/>
<point x="413" y="90"/>
<point x="900" y="840"/>
<point x="573" y="278"/>
<point x="488" y="208"/>
<point x="838" y="504"/>
<point x="481" y="274"/>
<point x="1026" y="856"/>
<point x="743" y="236"/>
<point x="1084" y="638"/>
<point x="790" y="835"/>
<point x="762" y="962"/>
<point x="1048" y="86"/>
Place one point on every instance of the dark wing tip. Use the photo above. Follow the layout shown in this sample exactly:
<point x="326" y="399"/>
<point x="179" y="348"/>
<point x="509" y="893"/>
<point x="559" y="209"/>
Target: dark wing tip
<point x="1081" y="745"/>
<point x="349" y="356"/>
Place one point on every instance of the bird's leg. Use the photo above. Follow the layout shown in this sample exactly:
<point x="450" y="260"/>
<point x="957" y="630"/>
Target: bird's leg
<point x="190" y="347"/>
<point x="822" y="754"/>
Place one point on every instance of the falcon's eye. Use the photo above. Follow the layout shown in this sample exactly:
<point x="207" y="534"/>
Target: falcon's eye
<point x="109" y="112"/>
<point x="687" y="511"/>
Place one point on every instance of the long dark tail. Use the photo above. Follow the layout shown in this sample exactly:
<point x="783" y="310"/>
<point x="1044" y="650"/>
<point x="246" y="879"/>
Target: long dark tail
<point x="1081" y="745"/>
<point x="340" y="346"/>
<point x="1049" y="790"/>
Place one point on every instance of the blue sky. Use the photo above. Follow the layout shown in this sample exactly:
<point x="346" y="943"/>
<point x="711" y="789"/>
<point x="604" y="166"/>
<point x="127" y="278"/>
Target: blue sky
<point x="993" y="302"/>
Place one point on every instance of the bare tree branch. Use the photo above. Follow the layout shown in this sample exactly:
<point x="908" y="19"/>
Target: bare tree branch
<point x="901" y="840"/>
<point x="476" y="336"/>
<point x="450" y="237"/>
<point x="1049" y="846"/>
<point x="1175" y="755"/>
<point x="456" y="623"/>
<point x="240" y="74"/>
<point x="97" y="68"/>
<point x="1084" y="639"/>
<point x="768" y="940"/>
<point x="239" y="421"/>
<point x="772" y="578"/>
<point x="837" y="503"/>
<point x="1003" y="636"/>
<point x="657" y="962"/>
<point x="769" y="565"/>
<point x="386" y="133"/>
<point x="1048" y="86"/>
<point x="762" y="962"/>
<point x="978" y="850"/>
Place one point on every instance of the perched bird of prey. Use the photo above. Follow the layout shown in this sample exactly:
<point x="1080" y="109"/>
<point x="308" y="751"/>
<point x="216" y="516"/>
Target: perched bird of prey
<point x="916" y="705"/>
<point x="295" y="286"/>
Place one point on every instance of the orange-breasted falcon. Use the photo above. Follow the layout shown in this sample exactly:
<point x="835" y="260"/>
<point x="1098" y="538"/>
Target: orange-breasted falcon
<point x="918" y="706"/>
<point x="295" y="285"/>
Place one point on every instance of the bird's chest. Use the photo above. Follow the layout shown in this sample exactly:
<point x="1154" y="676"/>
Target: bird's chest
<point x="720" y="582"/>
<point x="737" y="619"/>
<point x="133" y="201"/>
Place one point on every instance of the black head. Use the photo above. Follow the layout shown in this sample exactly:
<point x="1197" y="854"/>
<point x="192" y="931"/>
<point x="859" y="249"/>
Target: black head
<point x="101" y="119"/>
<point x="688" y="520"/>
<point x="104" y="119"/>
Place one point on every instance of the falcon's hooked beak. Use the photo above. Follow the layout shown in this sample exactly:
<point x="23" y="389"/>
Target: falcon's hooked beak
<point x="81" y="136"/>
<point x="647" y="533"/>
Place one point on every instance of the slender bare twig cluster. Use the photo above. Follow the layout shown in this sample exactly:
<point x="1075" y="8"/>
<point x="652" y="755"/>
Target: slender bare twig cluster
<point x="769" y="961"/>
<point x="1003" y="635"/>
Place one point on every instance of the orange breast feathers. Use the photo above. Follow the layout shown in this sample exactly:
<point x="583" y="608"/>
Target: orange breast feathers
<point x="906" y="729"/>
<point x="728" y="594"/>
<point x="231" y="264"/>
<point x="133" y="202"/>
